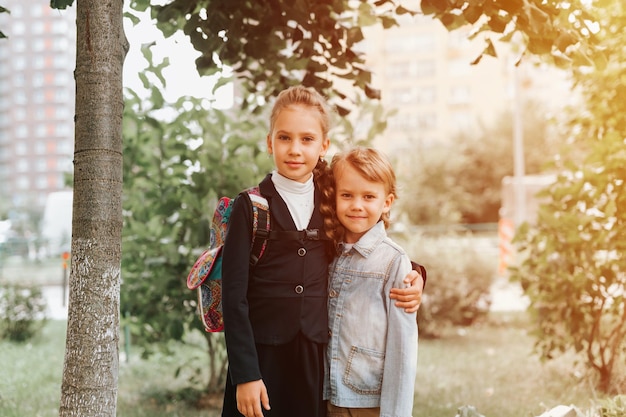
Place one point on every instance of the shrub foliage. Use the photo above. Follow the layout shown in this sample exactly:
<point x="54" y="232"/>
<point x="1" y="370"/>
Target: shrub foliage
<point x="22" y="312"/>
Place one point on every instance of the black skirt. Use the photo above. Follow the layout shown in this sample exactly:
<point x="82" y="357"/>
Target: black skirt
<point x="293" y="374"/>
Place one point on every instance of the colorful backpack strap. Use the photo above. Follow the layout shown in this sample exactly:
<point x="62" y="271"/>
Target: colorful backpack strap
<point x="260" y="223"/>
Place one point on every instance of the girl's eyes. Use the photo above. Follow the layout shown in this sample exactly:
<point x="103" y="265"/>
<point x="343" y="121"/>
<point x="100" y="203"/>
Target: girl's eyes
<point x="304" y="139"/>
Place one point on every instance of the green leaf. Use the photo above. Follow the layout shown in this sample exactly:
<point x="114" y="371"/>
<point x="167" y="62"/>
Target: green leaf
<point x="539" y="46"/>
<point x="372" y="92"/>
<point x="429" y="7"/>
<point x="472" y="13"/>
<point x="564" y="40"/>
<point x="498" y="23"/>
<point x="133" y="18"/>
<point x="60" y="4"/>
<point x="490" y="49"/>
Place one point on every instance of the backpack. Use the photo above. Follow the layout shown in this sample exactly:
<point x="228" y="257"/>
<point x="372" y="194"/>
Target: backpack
<point x="205" y="276"/>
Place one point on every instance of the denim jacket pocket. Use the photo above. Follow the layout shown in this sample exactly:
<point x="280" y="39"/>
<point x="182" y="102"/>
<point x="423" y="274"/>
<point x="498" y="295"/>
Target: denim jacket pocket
<point x="364" y="371"/>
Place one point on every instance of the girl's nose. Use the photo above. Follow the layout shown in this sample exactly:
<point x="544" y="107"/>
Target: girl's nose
<point x="294" y="149"/>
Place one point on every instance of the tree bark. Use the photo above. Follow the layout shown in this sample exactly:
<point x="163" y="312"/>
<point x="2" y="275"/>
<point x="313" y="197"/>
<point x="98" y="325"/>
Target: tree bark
<point x="90" y="372"/>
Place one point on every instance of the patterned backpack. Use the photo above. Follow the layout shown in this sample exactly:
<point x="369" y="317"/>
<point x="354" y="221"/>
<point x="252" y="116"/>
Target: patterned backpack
<point x="206" y="274"/>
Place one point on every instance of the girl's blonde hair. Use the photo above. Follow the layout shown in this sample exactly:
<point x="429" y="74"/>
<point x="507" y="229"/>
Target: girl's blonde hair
<point x="374" y="166"/>
<point x="300" y="95"/>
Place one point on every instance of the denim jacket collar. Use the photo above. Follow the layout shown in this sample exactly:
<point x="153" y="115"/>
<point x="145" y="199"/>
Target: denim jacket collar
<point x="370" y="240"/>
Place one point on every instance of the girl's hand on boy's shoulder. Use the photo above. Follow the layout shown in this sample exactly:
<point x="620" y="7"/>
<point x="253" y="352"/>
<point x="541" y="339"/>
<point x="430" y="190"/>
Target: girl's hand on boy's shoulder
<point x="409" y="298"/>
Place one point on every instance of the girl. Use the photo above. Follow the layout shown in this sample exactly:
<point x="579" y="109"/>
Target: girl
<point x="372" y="354"/>
<point x="275" y="316"/>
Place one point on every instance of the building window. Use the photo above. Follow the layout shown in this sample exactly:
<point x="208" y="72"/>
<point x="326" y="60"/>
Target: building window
<point x="39" y="62"/>
<point x="41" y="165"/>
<point x="21" y="148"/>
<point x="37" y="11"/>
<point x="18" y="28"/>
<point x="423" y="68"/>
<point x="40" y="131"/>
<point x="19" y="45"/>
<point x="59" y="26"/>
<point x="423" y="42"/>
<point x="60" y="61"/>
<point x="38" y="79"/>
<point x="42" y="182"/>
<point x="22" y="182"/>
<point x="460" y="94"/>
<point x="40" y="147"/>
<point x="17" y="11"/>
<point x="19" y="113"/>
<point x="457" y="67"/>
<point x="426" y="121"/>
<point x="22" y="165"/>
<point x="38" y="27"/>
<point x="62" y="78"/>
<point x="38" y="45"/>
<point x="61" y="95"/>
<point x="21" y="131"/>
<point x="462" y="120"/>
<point x="426" y="94"/>
<point x="62" y="129"/>
<point x="38" y="96"/>
<point x="19" y="80"/>
<point x="65" y="147"/>
<point x="19" y="63"/>
<point x="62" y="113"/>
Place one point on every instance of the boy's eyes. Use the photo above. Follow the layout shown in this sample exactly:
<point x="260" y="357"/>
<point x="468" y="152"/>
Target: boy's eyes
<point x="367" y="196"/>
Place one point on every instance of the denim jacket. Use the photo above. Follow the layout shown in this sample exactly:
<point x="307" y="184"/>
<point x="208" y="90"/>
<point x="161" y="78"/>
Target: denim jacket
<point x="371" y="358"/>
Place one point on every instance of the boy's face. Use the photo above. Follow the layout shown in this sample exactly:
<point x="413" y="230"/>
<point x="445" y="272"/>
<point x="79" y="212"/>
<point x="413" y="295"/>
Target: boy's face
<point x="297" y="142"/>
<point x="360" y="203"/>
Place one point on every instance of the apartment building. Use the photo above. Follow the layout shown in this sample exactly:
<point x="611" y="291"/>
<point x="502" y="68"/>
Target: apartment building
<point x="36" y="101"/>
<point x="426" y="74"/>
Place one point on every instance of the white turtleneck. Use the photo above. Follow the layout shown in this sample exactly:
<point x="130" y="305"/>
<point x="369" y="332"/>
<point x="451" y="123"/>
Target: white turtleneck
<point x="299" y="197"/>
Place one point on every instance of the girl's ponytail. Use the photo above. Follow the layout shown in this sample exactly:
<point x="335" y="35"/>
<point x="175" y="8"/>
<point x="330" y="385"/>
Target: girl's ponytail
<point x="323" y="176"/>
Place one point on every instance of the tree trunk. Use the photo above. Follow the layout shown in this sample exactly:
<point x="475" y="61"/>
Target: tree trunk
<point x="90" y="373"/>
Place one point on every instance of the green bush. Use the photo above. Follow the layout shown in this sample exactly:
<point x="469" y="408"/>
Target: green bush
<point x="22" y="312"/>
<point x="460" y="273"/>
<point x="613" y="407"/>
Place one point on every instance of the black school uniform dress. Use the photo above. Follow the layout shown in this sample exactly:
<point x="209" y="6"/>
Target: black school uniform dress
<point x="276" y="319"/>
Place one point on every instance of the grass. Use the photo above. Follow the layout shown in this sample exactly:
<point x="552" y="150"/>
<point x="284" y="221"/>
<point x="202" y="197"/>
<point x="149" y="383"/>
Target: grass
<point x="490" y="366"/>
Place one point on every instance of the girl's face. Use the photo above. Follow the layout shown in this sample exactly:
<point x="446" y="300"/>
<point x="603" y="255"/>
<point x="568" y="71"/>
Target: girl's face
<point x="360" y="202"/>
<point x="297" y="142"/>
